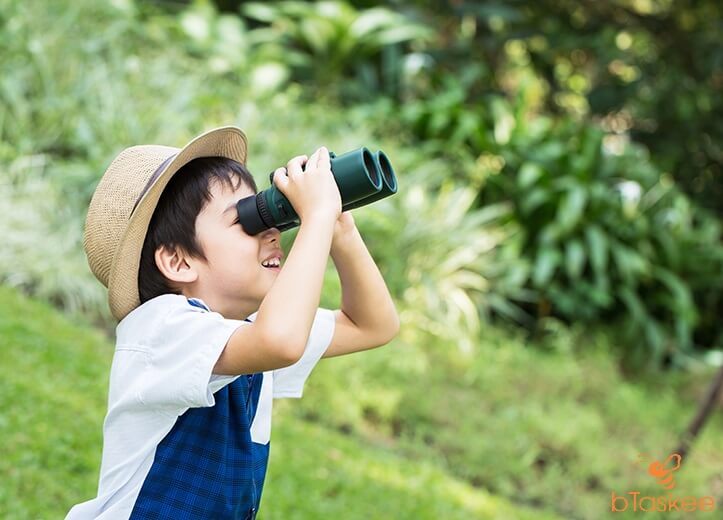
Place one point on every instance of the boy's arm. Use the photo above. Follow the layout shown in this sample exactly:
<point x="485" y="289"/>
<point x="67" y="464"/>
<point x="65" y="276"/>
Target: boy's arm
<point x="367" y="317"/>
<point x="265" y="344"/>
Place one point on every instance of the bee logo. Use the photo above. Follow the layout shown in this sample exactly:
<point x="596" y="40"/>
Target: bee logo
<point x="663" y="471"/>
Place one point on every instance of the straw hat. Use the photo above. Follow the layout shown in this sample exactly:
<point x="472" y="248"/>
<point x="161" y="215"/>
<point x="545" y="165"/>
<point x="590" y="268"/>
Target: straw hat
<point x="124" y="201"/>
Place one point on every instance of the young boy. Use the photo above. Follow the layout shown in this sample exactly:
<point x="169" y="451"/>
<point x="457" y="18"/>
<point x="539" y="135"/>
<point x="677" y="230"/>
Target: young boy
<point x="209" y="332"/>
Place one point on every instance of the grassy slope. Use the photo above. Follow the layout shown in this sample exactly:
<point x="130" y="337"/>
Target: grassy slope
<point x="555" y="426"/>
<point x="53" y="380"/>
<point x="398" y="432"/>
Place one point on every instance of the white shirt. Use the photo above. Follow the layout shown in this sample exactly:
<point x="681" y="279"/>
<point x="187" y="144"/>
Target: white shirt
<point x="165" y="353"/>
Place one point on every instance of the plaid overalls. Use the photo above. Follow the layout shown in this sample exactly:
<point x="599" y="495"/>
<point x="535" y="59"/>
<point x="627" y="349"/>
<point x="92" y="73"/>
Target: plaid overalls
<point x="207" y="466"/>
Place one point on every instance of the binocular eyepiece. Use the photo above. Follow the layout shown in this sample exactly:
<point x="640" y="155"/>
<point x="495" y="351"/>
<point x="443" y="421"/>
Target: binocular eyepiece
<point x="362" y="177"/>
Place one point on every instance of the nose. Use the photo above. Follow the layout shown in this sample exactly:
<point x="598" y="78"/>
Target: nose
<point x="271" y="234"/>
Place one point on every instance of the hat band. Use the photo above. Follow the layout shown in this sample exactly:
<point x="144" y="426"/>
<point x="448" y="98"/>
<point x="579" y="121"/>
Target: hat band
<point x="151" y="181"/>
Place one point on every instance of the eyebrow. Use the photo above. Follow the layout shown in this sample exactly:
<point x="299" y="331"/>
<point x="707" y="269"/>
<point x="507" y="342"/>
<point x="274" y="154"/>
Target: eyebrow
<point x="233" y="205"/>
<point x="229" y="208"/>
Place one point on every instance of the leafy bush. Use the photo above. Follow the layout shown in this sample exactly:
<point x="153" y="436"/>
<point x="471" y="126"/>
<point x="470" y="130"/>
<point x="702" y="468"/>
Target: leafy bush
<point x="354" y="53"/>
<point x="42" y="249"/>
<point x="573" y="221"/>
<point x="655" y="66"/>
<point x="603" y="228"/>
<point x="65" y="111"/>
<point x="605" y="232"/>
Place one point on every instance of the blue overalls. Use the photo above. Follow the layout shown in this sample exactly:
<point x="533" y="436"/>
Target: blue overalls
<point x="207" y="466"/>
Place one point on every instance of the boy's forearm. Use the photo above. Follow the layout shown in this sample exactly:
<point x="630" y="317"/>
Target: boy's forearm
<point x="365" y="297"/>
<point x="294" y="297"/>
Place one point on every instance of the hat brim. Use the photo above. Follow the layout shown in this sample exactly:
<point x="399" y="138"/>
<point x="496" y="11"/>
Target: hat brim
<point x="123" y="296"/>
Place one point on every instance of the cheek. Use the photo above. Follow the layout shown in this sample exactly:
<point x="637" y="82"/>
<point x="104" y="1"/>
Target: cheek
<point x="240" y="253"/>
<point x="229" y="250"/>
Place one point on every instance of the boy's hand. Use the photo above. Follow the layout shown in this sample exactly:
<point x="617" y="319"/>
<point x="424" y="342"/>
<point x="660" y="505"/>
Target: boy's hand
<point x="344" y="225"/>
<point x="309" y="185"/>
<point x="345" y="231"/>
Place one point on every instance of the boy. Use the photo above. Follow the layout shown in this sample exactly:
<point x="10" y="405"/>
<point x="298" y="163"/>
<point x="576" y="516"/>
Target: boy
<point x="210" y="331"/>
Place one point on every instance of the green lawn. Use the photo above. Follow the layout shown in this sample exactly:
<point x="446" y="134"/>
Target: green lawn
<point x="53" y="395"/>
<point x="410" y="430"/>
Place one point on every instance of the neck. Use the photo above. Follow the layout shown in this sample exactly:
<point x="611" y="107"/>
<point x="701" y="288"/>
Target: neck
<point x="236" y="310"/>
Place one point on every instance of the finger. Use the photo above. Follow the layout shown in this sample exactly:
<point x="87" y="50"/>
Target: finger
<point x="323" y="159"/>
<point x="294" y="166"/>
<point x="302" y="158"/>
<point x="298" y="159"/>
<point x="313" y="159"/>
<point x="280" y="178"/>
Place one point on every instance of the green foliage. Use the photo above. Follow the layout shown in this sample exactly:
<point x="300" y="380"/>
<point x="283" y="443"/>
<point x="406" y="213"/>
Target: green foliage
<point x="581" y="224"/>
<point x="354" y="52"/>
<point x="653" y="66"/>
<point x="446" y="292"/>
<point x="43" y="253"/>
<point x="603" y="229"/>
<point x="42" y="241"/>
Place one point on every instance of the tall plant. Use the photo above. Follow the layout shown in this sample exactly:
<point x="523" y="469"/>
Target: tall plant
<point x="442" y="256"/>
<point x="353" y="51"/>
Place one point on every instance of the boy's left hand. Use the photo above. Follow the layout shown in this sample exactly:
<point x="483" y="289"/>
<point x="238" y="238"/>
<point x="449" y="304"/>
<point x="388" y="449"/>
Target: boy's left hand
<point x="344" y="226"/>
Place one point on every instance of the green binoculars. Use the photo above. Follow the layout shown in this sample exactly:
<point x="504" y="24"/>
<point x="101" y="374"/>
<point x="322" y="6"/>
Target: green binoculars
<point x="362" y="177"/>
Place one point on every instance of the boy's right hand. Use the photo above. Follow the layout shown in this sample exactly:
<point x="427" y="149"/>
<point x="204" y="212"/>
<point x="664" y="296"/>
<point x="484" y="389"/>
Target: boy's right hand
<point x="312" y="191"/>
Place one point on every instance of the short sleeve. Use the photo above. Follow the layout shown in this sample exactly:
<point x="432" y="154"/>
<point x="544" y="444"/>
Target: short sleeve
<point x="185" y="347"/>
<point x="289" y="381"/>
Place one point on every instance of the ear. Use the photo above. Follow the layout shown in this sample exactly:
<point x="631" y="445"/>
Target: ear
<point x="175" y="265"/>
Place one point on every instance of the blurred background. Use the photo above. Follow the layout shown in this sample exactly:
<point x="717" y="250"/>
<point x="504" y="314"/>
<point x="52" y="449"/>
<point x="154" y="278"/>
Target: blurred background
<point x="554" y="249"/>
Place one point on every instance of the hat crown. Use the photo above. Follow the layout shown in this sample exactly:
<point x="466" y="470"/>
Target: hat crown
<point x="113" y="201"/>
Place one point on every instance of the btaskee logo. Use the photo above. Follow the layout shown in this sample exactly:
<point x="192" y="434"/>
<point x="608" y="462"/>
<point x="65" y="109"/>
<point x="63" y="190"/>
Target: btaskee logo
<point x="663" y="473"/>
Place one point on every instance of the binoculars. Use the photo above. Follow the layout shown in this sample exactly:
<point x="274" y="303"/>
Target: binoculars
<point x="362" y="177"/>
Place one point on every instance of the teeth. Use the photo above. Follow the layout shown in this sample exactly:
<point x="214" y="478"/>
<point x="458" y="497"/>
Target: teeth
<point x="273" y="262"/>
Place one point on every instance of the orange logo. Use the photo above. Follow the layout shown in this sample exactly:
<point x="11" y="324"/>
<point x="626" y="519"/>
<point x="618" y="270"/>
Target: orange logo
<point x="663" y="472"/>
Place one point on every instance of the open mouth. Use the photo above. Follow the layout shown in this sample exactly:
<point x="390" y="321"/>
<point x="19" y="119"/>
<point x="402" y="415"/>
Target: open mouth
<point x="273" y="264"/>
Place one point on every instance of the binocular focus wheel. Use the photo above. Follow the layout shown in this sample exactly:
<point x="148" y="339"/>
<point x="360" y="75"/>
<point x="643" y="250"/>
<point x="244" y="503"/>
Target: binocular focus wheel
<point x="264" y="213"/>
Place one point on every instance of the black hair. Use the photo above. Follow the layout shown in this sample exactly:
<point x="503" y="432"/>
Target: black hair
<point x="174" y="220"/>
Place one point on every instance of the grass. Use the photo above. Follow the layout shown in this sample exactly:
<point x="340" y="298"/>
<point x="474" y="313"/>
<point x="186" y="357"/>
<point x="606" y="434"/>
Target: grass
<point x="53" y="391"/>
<point x="317" y="472"/>
<point x="559" y="429"/>
<point x="410" y="430"/>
